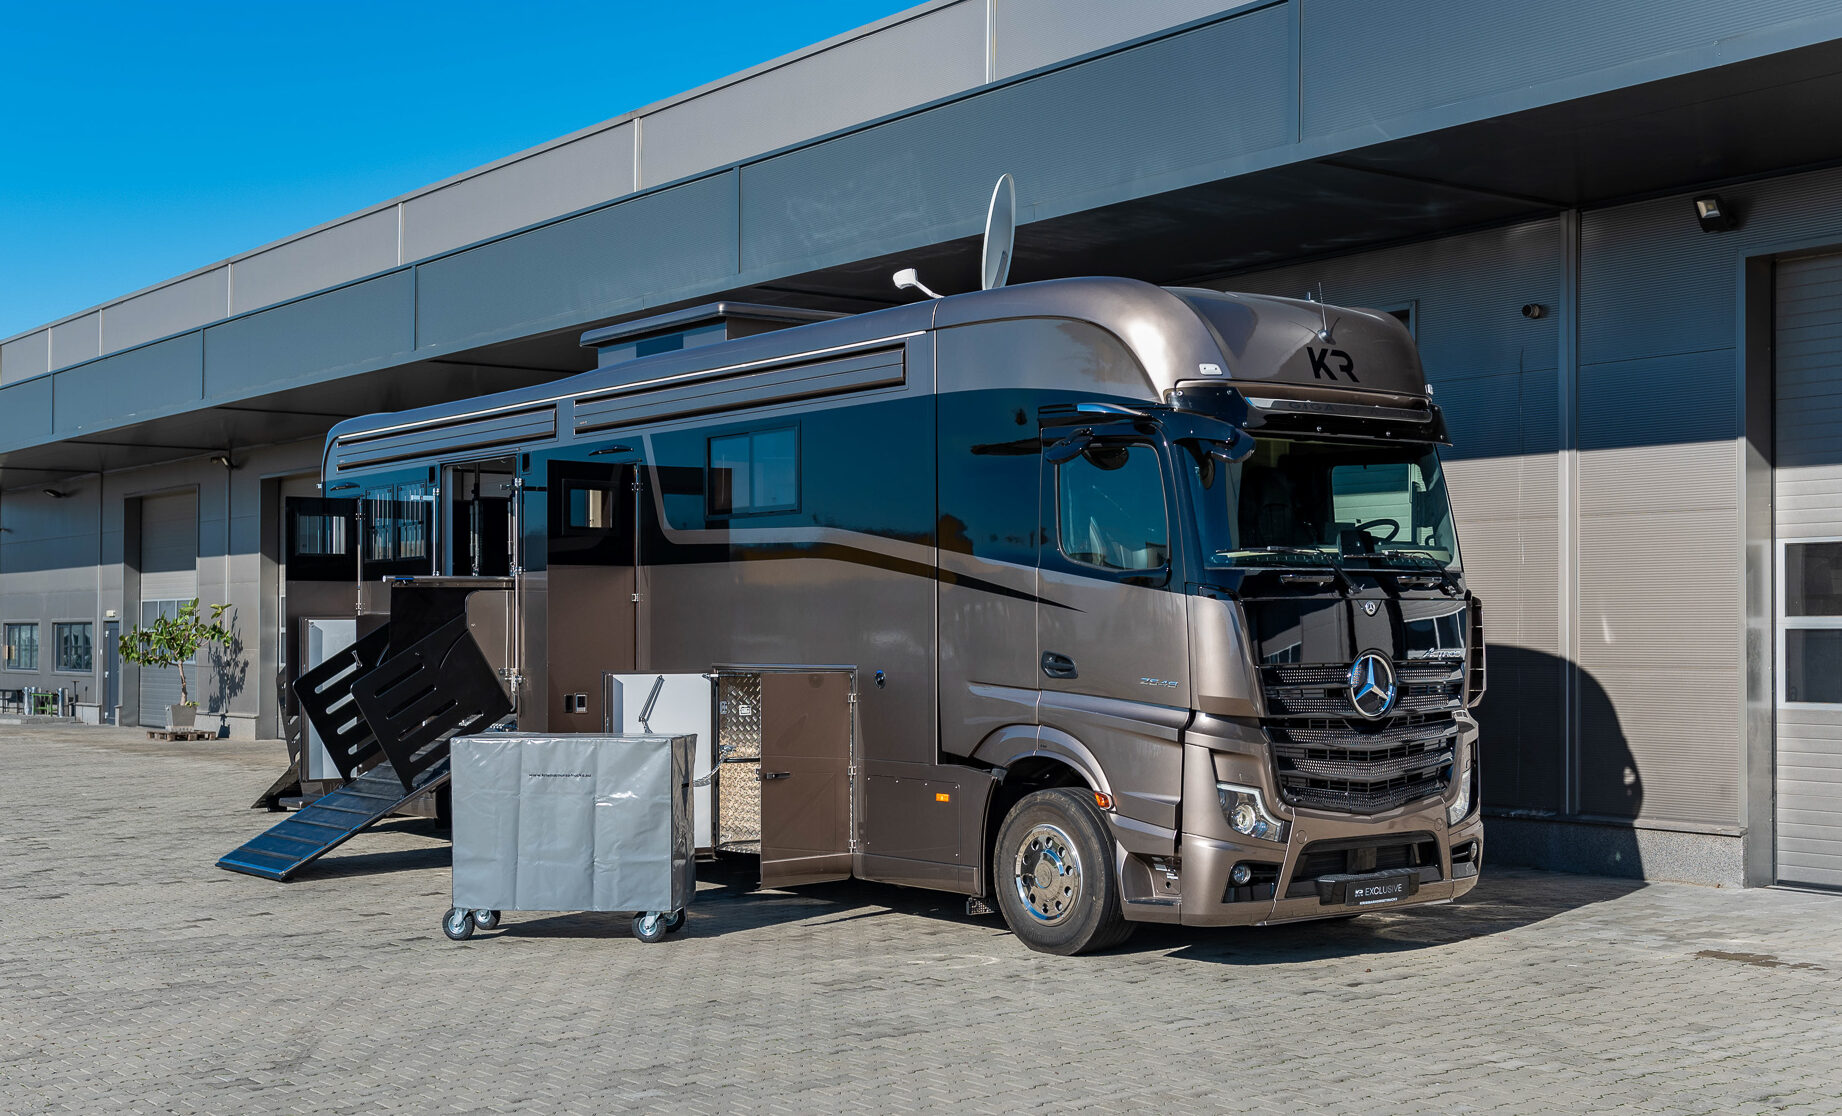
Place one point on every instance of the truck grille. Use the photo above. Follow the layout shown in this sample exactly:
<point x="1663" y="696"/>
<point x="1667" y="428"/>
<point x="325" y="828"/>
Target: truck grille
<point x="1322" y="690"/>
<point x="1328" y="758"/>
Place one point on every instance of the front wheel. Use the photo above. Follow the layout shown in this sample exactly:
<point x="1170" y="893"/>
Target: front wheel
<point x="1053" y="872"/>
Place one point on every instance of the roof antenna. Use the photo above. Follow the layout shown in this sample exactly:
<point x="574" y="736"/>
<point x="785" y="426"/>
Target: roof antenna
<point x="1323" y="320"/>
<point x="994" y="253"/>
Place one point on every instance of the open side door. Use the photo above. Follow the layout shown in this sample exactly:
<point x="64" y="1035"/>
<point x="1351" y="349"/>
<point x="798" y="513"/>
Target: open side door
<point x="806" y="768"/>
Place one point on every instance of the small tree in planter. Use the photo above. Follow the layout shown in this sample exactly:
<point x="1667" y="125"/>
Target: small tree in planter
<point x="173" y="641"/>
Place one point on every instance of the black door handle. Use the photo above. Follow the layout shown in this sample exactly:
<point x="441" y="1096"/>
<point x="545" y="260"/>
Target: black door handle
<point x="1058" y="666"/>
<point x="766" y="775"/>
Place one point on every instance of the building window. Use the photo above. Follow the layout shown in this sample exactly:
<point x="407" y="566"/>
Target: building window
<point x="22" y="647"/>
<point x="755" y="472"/>
<point x="155" y="610"/>
<point x="1810" y="622"/>
<point x="73" y="642"/>
<point x="1407" y="313"/>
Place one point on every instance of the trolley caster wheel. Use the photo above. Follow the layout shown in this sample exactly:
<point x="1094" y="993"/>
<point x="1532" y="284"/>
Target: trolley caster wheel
<point x="649" y="927"/>
<point x="486" y="920"/>
<point x="674" y="922"/>
<point x="457" y="924"/>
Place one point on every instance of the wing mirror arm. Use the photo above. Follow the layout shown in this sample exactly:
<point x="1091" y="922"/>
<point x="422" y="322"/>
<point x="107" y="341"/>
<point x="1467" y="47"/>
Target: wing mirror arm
<point x="1069" y="448"/>
<point x="1233" y="451"/>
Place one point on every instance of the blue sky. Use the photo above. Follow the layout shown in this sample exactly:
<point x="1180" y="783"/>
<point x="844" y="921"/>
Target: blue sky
<point x="142" y="140"/>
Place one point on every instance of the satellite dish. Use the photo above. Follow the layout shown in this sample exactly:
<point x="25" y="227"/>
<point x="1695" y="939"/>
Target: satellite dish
<point x="1000" y="232"/>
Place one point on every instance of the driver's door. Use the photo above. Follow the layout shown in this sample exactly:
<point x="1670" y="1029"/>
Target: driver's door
<point x="1112" y="625"/>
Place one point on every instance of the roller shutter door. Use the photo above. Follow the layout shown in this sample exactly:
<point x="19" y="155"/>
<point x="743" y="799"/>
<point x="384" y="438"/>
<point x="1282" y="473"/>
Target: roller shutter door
<point x="169" y="574"/>
<point x="1807" y="522"/>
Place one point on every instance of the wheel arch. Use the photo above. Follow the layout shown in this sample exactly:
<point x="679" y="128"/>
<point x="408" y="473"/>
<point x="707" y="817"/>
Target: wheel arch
<point x="1030" y="758"/>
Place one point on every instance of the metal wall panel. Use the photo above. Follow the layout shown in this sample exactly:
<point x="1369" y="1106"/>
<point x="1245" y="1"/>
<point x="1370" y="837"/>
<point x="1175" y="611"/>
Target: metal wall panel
<point x="346" y="251"/>
<point x="25" y="357"/>
<point x="154" y="379"/>
<point x="77" y="340"/>
<point x="316" y="338"/>
<point x="1031" y="33"/>
<point x="566" y="178"/>
<point x="166" y="310"/>
<point x="910" y="63"/>
<point x="1807" y="483"/>
<point x="1177" y="103"/>
<point x="25" y="414"/>
<point x="1460" y="50"/>
<point x="628" y="256"/>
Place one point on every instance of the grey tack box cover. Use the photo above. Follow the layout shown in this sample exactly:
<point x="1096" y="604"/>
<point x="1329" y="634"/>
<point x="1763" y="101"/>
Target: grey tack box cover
<point x="572" y="822"/>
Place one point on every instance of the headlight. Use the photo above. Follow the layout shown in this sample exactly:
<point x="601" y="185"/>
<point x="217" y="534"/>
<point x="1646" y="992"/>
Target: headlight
<point x="1247" y="814"/>
<point x="1461" y="805"/>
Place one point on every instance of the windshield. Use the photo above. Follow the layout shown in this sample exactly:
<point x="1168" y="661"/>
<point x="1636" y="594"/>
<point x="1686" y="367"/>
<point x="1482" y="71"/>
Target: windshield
<point x="1298" y="502"/>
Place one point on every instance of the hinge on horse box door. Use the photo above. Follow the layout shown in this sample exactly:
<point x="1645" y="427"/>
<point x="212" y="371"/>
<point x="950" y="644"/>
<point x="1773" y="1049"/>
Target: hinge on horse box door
<point x="851" y="697"/>
<point x="636" y="598"/>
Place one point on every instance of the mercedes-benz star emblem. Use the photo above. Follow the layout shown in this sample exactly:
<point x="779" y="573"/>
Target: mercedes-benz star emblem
<point x="1372" y="685"/>
<point x="1369" y="607"/>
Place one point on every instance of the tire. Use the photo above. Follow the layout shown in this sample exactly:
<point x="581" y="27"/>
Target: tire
<point x="649" y="928"/>
<point x="486" y="920"/>
<point x="1052" y="870"/>
<point x="674" y="922"/>
<point x="457" y="924"/>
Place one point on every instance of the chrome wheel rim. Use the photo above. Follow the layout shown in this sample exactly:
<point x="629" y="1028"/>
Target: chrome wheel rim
<point x="457" y="922"/>
<point x="1048" y="874"/>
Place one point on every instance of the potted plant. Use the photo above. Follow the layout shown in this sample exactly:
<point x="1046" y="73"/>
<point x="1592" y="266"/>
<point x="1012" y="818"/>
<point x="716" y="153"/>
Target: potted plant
<point x="173" y="641"/>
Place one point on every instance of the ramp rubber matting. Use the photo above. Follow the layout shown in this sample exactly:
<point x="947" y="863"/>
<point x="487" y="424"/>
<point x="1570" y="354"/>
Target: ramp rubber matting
<point x="323" y="825"/>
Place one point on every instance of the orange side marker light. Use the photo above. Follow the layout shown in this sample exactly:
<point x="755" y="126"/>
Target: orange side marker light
<point x="1103" y="800"/>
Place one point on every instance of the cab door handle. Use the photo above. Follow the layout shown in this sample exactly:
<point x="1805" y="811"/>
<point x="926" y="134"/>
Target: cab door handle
<point x="1058" y="666"/>
<point x="766" y="775"/>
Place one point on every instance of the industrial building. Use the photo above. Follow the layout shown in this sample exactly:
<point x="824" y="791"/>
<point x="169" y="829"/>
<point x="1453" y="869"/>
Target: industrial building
<point x="1612" y="227"/>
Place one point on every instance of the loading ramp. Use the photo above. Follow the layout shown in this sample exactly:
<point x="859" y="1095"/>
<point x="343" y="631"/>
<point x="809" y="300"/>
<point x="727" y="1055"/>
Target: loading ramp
<point x="384" y="708"/>
<point x="330" y="821"/>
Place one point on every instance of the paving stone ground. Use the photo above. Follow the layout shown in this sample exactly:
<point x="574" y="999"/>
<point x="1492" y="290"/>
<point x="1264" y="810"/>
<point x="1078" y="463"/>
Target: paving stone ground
<point x="137" y="978"/>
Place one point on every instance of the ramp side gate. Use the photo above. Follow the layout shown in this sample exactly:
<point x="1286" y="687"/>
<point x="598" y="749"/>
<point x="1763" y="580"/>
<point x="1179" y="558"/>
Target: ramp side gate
<point x="385" y="708"/>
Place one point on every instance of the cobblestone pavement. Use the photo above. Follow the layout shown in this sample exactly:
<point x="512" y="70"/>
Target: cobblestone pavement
<point x="139" y="978"/>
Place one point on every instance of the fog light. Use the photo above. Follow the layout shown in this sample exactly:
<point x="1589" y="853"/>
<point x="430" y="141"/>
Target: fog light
<point x="1247" y="814"/>
<point x="1241" y="874"/>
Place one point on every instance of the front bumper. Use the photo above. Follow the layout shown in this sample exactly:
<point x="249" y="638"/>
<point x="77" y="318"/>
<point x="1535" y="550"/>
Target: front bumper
<point x="1207" y="861"/>
<point x="1285" y="888"/>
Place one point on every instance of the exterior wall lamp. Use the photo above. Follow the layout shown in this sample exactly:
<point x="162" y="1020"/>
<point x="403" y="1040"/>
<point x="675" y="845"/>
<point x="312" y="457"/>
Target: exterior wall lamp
<point x="1714" y="214"/>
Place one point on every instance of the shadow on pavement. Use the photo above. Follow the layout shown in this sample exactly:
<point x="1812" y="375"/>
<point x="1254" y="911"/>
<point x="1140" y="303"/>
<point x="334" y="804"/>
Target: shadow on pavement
<point x="1507" y="899"/>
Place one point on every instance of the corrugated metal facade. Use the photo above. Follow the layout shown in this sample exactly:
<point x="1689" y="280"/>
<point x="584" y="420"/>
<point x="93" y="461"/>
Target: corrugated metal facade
<point x="1807" y="503"/>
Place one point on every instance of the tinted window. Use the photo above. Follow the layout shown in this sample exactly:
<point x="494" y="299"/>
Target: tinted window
<point x="754" y="472"/>
<point x="1813" y="579"/>
<point x="1111" y="509"/>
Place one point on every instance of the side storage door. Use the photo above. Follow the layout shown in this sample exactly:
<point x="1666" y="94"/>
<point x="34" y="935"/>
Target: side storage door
<point x="1113" y="629"/>
<point x="806" y="769"/>
<point x="588" y="589"/>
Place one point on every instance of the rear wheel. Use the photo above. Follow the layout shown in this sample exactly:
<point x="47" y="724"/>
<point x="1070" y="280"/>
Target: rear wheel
<point x="1053" y="872"/>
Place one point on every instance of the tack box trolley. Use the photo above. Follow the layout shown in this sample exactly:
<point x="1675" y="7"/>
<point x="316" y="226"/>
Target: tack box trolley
<point x="572" y="822"/>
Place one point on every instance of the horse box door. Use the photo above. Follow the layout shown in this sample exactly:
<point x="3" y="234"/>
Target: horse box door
<point x="805" y="777"/>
